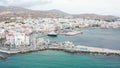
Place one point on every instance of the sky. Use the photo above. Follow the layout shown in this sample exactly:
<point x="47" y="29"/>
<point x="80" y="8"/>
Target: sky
<point x="102" y="7"/>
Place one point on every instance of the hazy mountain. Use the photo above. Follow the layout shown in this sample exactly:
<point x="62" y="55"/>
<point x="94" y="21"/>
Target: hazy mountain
<point x="7" y="12"/>
<point x="58" y="12"/>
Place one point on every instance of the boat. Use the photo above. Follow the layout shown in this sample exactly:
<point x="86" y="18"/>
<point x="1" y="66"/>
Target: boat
<point x="52" y="34"/>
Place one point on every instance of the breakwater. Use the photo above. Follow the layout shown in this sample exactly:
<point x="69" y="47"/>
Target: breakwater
<point x="66" y="47"/>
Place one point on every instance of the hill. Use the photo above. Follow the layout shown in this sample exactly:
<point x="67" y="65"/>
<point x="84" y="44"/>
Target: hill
<point x="11" y="13"/>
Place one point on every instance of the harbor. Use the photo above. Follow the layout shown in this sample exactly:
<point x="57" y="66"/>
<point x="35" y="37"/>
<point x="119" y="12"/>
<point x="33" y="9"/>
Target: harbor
<point x="27" y="40"/>
<point x="59" y="34"/>
<point x="27" y="36"/>
<point x="38" y="42"/>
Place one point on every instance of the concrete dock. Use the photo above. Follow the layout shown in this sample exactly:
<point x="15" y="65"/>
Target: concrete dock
<point x="67" y="47"/>
<point x="99" y="50"/>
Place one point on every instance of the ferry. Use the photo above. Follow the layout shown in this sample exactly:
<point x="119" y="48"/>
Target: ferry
<point x="52" y="34"/>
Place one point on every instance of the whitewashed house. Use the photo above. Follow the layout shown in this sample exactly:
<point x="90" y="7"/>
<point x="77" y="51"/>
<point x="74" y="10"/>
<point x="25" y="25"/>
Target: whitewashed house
<point x="17" y="39"/>
<point x="2" y="32"/>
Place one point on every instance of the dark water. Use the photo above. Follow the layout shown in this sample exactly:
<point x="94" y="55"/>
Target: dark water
<point x="107" y="38"/>
<point x="104" y="38"/>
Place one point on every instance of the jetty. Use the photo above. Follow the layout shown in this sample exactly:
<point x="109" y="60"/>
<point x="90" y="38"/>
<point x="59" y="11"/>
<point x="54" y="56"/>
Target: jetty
<point x="70" y="47"/>
<point x="66" y="46"/>
<point x="96" y="50"/>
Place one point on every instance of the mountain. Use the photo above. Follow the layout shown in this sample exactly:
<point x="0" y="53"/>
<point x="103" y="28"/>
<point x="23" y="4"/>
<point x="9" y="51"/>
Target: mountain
<point x="58" y="12"/>
<point x="8" y="12"/>
<point x="50" y="13"/>
<point x="11" y="11"/>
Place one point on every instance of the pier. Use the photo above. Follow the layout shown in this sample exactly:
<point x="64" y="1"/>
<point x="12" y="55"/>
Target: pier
<point x="67" y="47"/>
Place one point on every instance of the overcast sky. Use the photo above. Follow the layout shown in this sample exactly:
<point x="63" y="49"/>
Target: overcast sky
<point x="104" y="7"/>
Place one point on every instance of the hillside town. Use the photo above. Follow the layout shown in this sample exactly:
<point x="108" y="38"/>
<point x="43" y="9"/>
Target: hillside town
<point x="60" y="34"/>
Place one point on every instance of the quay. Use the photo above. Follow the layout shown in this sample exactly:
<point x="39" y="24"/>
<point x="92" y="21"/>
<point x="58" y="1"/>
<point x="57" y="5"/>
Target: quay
<point x="67" y="47"/>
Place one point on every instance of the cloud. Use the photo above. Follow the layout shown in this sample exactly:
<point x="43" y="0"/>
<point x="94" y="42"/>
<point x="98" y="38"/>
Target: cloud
<point x="71" y="6"/>
<point x="24" y="3"/>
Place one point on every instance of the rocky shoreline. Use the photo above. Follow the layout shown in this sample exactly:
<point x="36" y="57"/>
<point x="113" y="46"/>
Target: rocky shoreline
<point x="3" y="57"/>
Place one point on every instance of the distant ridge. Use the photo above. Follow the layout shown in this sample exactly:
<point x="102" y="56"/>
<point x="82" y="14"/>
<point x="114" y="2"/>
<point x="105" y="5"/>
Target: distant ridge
<point x="7" y="12"/>
<point x="97" y="17"/>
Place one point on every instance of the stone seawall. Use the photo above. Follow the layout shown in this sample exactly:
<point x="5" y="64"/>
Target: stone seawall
<point x="66" y="47"/>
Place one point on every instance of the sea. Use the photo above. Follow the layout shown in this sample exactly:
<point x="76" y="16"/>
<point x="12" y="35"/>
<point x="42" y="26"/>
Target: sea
<point x="96" y="37"/>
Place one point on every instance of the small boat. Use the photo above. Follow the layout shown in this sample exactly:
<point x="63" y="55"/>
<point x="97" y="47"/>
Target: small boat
<point x="52" y="34"/>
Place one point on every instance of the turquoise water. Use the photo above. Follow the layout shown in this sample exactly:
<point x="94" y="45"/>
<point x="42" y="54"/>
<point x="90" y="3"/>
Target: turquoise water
<point x="55" y="59"/>
<point x="96" y="37"/>
<point x="107" y="38"/>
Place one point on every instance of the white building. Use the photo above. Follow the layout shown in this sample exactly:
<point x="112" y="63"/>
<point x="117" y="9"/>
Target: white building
<point x="17" y="39"/>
